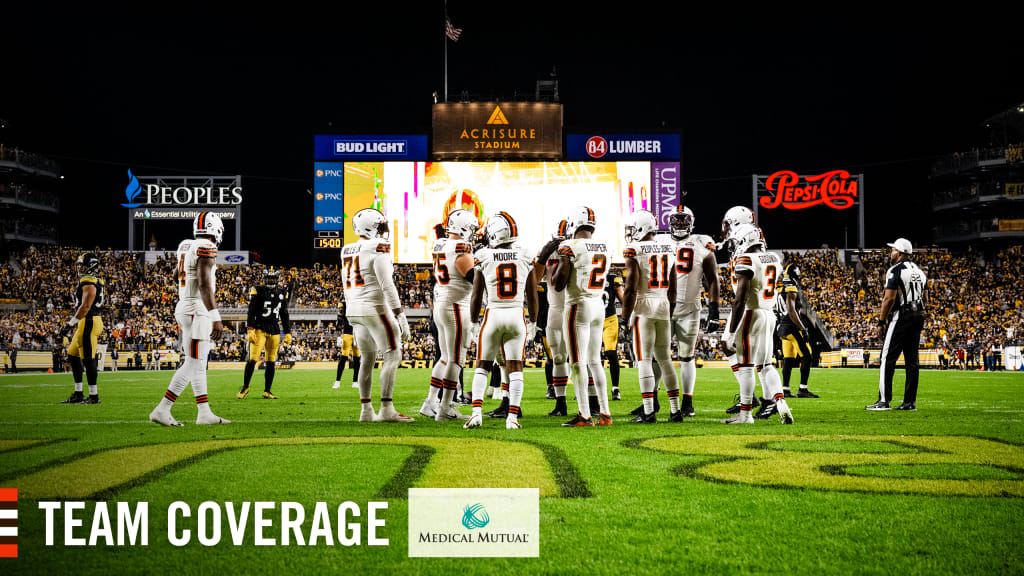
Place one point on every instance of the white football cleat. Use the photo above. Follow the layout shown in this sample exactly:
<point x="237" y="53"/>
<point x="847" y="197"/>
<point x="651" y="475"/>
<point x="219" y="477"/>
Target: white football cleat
<point x="744" y="417"/>
<point x="367" y="414"/>
<point x="355" y="384"/>
<point x="336" y="386"/>
<point x="785" y="414"/>
<point x="429" y="408"/>
<point x="163" y="417"/>
<point x="211" y="418"/>
<point x="389" y="414"/>
<point x="512" y="425"/>
<point x="451" y="414"/>
<point x="474" y="422"/>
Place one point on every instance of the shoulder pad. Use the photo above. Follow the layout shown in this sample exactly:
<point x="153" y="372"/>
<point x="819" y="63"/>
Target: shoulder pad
<point x="87" y="280"/>
<point x="254" y="291"/>
<point x="383" y="247"/>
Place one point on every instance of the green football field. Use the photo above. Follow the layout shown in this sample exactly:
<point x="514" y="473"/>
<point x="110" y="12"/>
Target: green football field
<point x="842" y="491"/>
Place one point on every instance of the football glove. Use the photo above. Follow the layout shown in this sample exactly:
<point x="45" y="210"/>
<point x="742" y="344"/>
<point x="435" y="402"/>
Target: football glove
<point x="250" y="335"/>
<point x="287" y="339"/>
<point x="539" y="338"/>
<point x="531" y="330"/>
<point x="403" y="326"/>
<point x="474" y="331"/>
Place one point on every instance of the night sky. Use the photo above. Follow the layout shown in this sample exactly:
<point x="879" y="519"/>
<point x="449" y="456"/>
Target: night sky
<point x="195" y="91"/>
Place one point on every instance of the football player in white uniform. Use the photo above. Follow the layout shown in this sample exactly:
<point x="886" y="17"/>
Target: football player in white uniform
<point x="198" y="317"/>
<point x="650" y="295"/>
<point x="453" y="271"/>
<point x="505" y="270"/>
<point x="695" y="265"/>
<point x="374" y="310"/>
<point x="752" y="324"/>
<point x="583" y="263"/>
<point x="547" y="262"/>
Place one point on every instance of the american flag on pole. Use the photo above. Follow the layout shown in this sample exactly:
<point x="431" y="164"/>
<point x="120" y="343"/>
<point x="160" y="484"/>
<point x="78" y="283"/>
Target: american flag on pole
<point x="451" y="31"/>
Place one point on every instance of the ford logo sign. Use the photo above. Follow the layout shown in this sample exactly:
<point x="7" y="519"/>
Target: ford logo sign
<point x="235" y="259"/>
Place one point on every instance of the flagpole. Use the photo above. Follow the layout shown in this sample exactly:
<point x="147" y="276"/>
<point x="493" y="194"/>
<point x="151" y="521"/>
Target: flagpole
<point x="444" y="38"/>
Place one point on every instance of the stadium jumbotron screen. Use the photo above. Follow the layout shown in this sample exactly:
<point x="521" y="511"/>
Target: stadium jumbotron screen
<point x="417" y="195"/>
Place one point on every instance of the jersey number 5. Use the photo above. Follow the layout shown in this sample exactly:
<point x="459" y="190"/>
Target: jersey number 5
<point x="347" y="262"/>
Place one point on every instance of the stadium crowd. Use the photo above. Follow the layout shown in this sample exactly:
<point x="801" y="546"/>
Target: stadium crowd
<point x="974" y="304"/>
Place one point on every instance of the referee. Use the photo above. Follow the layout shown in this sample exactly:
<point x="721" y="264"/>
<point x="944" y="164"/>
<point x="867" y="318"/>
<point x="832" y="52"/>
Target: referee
<point x="904" y="301"/>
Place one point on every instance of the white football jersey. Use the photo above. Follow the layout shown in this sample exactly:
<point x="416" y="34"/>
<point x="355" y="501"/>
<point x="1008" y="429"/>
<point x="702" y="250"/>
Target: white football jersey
<point x="656" y="260"/>
<point x="590" y="262"/>
<point x="188" y="271"/>
<point x="451" y="286"/>
<point x="690" y="254"/>
<point x="556" y="299"/>
<point x="367" y="275"/>
<point x="766" y="268"/>
<point x="505" y="271"/>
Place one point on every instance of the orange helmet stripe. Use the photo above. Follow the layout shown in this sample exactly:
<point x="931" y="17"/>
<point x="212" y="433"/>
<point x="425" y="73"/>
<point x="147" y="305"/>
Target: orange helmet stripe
<point x="202" y="220"/>
<point x="511" y="223"/>
<point x="590" y="214"/>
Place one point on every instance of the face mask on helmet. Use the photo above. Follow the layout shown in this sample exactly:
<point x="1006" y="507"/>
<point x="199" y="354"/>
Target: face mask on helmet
<point x="680" y="224"/>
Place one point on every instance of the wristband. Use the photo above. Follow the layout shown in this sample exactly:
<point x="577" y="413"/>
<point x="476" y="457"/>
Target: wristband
<point x="73" y="321"/>
<point x="214" y="315"/>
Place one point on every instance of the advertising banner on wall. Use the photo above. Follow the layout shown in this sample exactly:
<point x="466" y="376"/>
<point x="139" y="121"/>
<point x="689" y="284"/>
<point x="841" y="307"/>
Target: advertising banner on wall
<point x="608" y="147"/>
<point x="328" y="196"/>
<point x="665" y="193"/>
<point x="369" y="148"/>
<point x="495" y="130"/>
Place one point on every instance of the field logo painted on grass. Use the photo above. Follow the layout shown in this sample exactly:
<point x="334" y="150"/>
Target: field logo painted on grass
<point x="470" y="519"/>
<point x="933" y="465"/>
<point x="435" y="462"/>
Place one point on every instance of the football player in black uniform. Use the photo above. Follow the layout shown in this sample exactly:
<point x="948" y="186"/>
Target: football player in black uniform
<point x="792" y="331"/>
<point x="268" y="311"/>
<point x="87" y="326"/>
<point x="610" y="333"/>
<point x="347" y="350"/>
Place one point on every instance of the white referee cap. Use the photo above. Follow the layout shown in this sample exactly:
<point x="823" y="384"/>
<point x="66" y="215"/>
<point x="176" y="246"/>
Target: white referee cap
<point x="903" y="245"/>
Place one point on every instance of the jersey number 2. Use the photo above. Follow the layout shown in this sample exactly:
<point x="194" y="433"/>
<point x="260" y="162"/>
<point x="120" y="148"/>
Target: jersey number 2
<point x="600" y="264"/>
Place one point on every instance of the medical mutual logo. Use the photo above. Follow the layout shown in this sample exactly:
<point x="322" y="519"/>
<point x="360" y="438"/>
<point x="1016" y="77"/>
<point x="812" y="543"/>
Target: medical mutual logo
<point x="501" y="522"/>
<point x="475" y="516"/>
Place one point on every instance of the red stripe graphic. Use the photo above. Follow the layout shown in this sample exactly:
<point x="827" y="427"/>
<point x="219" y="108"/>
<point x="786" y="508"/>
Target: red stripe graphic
<point x="636" y="341"/>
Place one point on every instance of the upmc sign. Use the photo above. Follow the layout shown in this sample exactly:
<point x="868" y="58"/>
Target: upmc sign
<point x="835" y="189"/>
<point x="609" y="147"/>
<point x="496" y="130"/>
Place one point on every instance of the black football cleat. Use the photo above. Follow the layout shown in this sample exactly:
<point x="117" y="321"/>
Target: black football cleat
<point x="645" y="418"/>
<point x="579" y="422"/>
<point x="92" y="399"/>
<point x="787" y="394"/>
<point x="878" y="406"/>
<point x="805" y="393"/>
<point x="616" y="395"/>
<point x="910" y="406"/>
<point x="676" y="416"/>
<point x="75" y="398"/>
<point x="768" y="408"/>
<point x="595" y="406"/>
<point x="687" y="407"/>
<point x="501" y="411"/>
<point x="550" y="395"/>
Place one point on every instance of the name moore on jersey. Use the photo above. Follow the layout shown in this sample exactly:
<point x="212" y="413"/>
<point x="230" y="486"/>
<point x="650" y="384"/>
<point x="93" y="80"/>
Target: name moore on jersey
<point x="505" y="271"/>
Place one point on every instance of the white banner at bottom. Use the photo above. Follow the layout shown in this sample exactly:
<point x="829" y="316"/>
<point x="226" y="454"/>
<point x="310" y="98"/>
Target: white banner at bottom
<point x="474" y="522"/>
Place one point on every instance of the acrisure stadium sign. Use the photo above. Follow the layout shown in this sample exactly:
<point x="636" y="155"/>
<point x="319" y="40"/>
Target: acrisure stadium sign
<point x="497" y="130"/>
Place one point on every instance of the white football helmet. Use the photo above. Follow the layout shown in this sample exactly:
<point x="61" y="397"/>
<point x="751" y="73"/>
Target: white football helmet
<point x="735" y="216"/>
<point x="680" y="223"/>
<point x="560" y="234"/>
<point x="501" y="229"/>
<point x="463" y="223"/>
<point x="370" y="223"/>
<point x="743" y="237"/>
<point x="209" y="224"/>
<point x="579" y="217"/>
<point x="640" y="224"/>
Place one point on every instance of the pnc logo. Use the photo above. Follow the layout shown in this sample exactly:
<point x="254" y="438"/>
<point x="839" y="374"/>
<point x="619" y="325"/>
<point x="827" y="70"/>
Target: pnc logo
<point x="319" y="219"/>
<point x="497" y="117"/>
<point x="319" y="196"/>
<point x="132" y="191"/>
<point x="475" y="516"/>
<point x="597" y="147"/>
<point x="319" y="173"/>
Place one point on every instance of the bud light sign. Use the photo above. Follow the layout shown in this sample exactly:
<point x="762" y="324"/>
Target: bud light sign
<point x="329" y="196"/>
